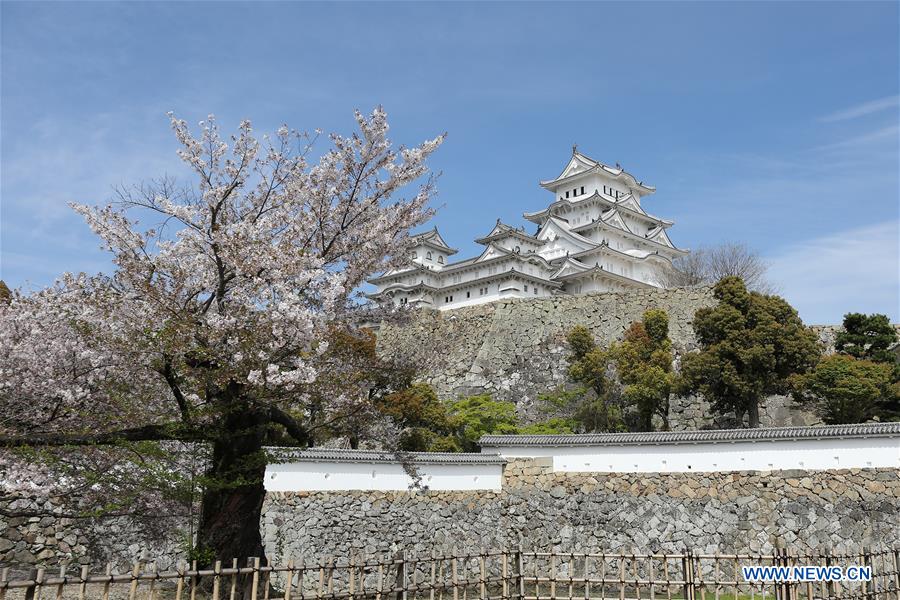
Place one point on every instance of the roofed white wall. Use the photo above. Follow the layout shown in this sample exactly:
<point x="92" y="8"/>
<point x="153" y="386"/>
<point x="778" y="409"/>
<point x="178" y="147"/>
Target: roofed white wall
<point x="325" y="475"/>
<point x="834" y="453"/>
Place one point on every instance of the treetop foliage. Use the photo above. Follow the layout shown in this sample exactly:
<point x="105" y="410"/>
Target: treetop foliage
<point x="750" y="346"/>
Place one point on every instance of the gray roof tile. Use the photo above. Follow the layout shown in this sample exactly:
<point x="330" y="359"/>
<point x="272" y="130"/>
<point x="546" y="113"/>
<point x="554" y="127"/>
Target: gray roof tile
<point x="690" y="437"/>
<point x="382" y="456"/>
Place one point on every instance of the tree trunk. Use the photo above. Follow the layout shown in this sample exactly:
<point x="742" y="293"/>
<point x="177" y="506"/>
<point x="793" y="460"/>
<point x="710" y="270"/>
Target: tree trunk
<point x="233" y="497"/>
<point x="753" y="413"/>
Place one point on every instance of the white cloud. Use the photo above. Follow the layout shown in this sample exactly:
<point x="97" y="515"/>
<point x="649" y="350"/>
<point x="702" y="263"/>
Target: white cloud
<point x="856" y="270"/>
<point x="861" y="110"/>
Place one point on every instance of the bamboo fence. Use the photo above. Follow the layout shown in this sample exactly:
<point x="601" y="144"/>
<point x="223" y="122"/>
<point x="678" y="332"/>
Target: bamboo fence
<point x="516" y="574"/>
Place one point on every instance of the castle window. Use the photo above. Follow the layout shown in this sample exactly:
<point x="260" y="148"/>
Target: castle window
<point x="441" y="259"/>
<point x="526" y="288"/>
<point x="428" y="256"/>
<point x="575" y="192"/>
<point x="582" y="189"/>
<point x="468" y="294"/>
<point x="567" y="194"/>
<point x="535" y="290"/>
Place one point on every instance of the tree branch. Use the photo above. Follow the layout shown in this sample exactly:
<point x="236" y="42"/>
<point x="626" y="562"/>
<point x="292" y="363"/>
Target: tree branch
<point x="290" y="424"/>
<point x="166" y="431"/>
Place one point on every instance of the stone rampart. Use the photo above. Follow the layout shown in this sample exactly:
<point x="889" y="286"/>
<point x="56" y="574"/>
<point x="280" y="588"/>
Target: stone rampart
<point x="516" y="349"/>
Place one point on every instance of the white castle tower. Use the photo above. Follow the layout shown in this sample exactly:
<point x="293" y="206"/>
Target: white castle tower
<point x="593" y="237"/>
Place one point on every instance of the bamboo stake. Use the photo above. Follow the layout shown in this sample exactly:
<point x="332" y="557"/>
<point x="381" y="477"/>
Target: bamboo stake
<point x="217" y="579"/>
<point x="266" y="581"/>
<point x="134" y="580"/>
<point x="153" y="582"/>
<point x="483" y="589"/>
<point x="38" y="581"/>
<point x="4" y="578"/>
<point x="331" y="575"/>
<point x="603" y="576"/>
<point x="179" y="585"/>
<point x="106" y="584"/>
<point x="454" y="577"/>
<point x="433" y="572"/>
<point x="667" y="578"/>
<point x="380" y="581"/>
<point x="82" y="587"/>
<point x="587" y="578"/>
<point x="552" y="573"/>
<point x="290" y="579"/>
<point x="60" y="585"/>
<point x="352" y="573"/>
<point x="571" y="570"/>
<point x="634" y="570"/>
<point x="504" y="571"/>
<point x="254" y="586"/>
<point x="234" y="577"/>
<point x="621" y="577"/>
<point x="194" y="580"/>
<point x="301" y="579"/>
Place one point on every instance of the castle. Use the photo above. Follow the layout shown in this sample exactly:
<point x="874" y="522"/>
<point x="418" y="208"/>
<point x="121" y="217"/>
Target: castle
<point x="593" y="237"/>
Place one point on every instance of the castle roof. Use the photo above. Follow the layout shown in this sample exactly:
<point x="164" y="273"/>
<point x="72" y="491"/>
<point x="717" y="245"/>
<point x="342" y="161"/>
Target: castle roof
<point x="503" y="231"/>
<point x="432" y="238"/>
<point x="580" y="164"/>
<point x="626" y="203"/>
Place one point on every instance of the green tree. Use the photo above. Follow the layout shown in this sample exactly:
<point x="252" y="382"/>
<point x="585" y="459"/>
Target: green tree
<point x="869" y="337"/>
<point x="480" y="415"/>
<point x="750" y="346"/>
<point x="644" y="364"/>
<point x="589" y="366"/>
<point x="860" y="382"/>
<point x="423" y="418"/>
<point x="5" y="294"/>
<point x="844" y="389"/>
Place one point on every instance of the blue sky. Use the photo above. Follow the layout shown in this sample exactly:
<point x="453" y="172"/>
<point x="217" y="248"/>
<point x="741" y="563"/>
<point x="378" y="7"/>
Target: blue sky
<point x="774" y="124"/>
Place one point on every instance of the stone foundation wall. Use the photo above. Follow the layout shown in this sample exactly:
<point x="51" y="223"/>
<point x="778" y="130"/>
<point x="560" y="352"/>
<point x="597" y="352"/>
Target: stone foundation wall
<point x="52" y="539"/>
<point x="742" y="511"/>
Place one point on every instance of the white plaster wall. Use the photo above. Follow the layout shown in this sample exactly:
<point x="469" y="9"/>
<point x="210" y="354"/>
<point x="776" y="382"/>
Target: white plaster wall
<point x="338" y="475"/>
<point x="728" y="456"/>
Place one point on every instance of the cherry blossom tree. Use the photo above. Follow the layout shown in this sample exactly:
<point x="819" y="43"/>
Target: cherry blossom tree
<point x="211" y="332"/>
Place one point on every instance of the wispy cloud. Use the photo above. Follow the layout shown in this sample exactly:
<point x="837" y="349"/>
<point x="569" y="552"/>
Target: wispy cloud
<point x="890" y="132"/>
<point x="856" y="270"/>
<point x="861" y="110"/>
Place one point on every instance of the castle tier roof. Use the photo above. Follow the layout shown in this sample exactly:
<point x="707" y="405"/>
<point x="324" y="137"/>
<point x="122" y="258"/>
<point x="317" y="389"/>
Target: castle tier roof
<point x="656" y="236"/>
<point x="630" y="254"/>
<point x="761" y="434"/>
<point x="626" y="203"/>
<point x="484" y="258"/>
<point x="580" y="164"/>
<point x="502" y="231"/>
<point x="601" y="273"/>
<point x="433" y="238"/>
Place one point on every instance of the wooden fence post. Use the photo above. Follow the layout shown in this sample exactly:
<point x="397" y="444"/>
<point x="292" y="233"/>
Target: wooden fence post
<point x="687" y="572"/>
<point x="254" y="585"/>
<point x="520" y="573"/>
<point x="30" y="590"/>
<point x="896" y="555"/>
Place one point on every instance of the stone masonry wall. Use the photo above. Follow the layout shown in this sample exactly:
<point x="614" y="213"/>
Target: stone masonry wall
<point x="708" y="512"/>
<point x="516" y="349"/>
